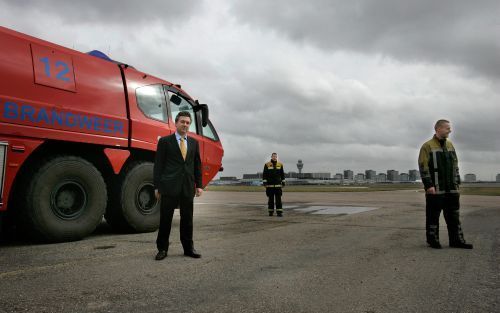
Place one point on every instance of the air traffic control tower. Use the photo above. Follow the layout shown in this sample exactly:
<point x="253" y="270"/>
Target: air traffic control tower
<point x="300" y="165"/>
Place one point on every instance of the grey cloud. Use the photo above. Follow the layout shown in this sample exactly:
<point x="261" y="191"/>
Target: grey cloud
<point x="108" y="12"/>
<point x="286" y="114"/>
<point x="478" y="134"/>
<point x="463" y="32"/>
<point x="248" y="155"/>
<point x="351" y="129"/>
<point x="310" y="97"/>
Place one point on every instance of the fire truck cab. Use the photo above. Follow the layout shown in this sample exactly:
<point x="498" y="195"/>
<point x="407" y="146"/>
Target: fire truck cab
<point x="78" y="135"/>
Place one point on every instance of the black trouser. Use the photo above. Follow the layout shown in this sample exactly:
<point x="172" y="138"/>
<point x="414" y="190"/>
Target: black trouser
<point x="450" y="204"/>
<point x="168" y="205"/>
<point x="272" y="193"/>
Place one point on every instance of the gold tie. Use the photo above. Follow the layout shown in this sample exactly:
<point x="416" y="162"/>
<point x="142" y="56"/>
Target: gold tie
<point x="183" y="148"/>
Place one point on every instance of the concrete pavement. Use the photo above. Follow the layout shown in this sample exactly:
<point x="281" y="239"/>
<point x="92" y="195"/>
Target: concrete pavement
<point x="373" y="261"/>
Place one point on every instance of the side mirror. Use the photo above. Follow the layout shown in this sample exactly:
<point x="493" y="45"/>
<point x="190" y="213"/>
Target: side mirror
<point x="204" y="114"/>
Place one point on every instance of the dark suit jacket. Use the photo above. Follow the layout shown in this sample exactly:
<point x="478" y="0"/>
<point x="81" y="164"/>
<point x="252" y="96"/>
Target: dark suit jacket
<point x="172" y="175"/>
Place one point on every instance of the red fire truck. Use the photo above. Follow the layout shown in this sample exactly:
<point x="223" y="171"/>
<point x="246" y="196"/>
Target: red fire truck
<point x="78" y="135"/>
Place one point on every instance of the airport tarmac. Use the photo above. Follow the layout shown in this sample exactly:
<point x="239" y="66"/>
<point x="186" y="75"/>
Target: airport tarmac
<point x="331" y="252"/>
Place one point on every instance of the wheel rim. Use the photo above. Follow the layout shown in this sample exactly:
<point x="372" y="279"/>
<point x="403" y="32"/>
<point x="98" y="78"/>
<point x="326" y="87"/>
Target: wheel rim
<point x="145" y="199"/>
<point x="68" y="200"/>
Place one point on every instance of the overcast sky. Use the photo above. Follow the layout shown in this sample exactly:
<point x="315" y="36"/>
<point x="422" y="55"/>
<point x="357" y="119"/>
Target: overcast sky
<point x="339" y="84"/>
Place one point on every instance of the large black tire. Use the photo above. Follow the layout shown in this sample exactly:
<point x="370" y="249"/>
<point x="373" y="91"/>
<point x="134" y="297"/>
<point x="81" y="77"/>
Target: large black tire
<point x="65" y="200"/>
<point x="135" y="208"/>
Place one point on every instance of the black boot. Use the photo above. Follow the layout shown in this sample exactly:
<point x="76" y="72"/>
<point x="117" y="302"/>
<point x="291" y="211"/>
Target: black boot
<point x="457" y="240"/>
<point x="271" y="213"/>
<point x="434" y="244"/>
<point x="461" y="245"/>
<point x="433" y="236"/>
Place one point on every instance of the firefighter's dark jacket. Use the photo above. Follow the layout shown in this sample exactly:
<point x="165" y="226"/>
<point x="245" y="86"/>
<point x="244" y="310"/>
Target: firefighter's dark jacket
<point x="438" y="164"/>
<point x="273" y="174"/>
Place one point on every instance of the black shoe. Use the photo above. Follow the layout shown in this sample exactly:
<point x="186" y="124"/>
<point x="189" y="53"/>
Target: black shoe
<point x="435" y="245"/>
<point x="271" y="213"/>
<point x="161" y="255"/>
<point x="461" y="245"/>
<point x="192" y="253"/>
<point x="280" y="214"/>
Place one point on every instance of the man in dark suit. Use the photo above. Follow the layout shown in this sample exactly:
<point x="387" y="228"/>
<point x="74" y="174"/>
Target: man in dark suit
<point x="177" y="179"/>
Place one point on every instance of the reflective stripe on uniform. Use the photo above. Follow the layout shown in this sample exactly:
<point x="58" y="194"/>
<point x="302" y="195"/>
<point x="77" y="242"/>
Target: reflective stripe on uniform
<point x="436" y="179"/>
<point x="434" y="157"/>
<point x="434" y="160"/>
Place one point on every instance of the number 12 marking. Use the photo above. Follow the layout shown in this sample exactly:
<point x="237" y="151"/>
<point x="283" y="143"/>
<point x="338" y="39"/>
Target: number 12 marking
<point x="61" y="74"/>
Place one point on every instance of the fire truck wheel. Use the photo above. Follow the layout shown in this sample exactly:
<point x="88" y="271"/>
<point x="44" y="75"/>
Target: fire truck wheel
<point x="136" y="208"/>
<point x="66" y="199"/>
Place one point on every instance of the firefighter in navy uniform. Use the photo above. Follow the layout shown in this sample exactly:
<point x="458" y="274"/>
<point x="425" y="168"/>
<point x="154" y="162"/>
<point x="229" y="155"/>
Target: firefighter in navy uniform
<point x="273" y="178"/>
<point x="438" y="165"/>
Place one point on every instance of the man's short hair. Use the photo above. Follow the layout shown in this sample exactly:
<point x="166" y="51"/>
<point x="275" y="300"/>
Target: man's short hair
<point x="183" y="113"/>
<point x="273" y="153"/>
<point x="440" y="123"/>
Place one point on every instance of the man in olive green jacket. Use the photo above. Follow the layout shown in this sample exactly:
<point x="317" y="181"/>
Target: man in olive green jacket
<point x="438" y="164"/>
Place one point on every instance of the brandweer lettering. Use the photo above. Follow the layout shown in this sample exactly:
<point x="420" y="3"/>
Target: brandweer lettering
<point x="26" y="112"/>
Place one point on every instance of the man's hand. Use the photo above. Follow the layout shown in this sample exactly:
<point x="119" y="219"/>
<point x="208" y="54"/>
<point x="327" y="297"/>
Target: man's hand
<point x="431" y="191"/>
<point x="157" y="194"/>
<point x="199" y="191"/>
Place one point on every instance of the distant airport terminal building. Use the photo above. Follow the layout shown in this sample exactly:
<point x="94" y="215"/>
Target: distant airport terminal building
<point x="348" y="175"/>
<point x="470" y="178"/>
<point x="392" y="175"/>
<point x="414" y="175"/>
<point x="346" y="178"/>
<point x="370" y="174"/>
